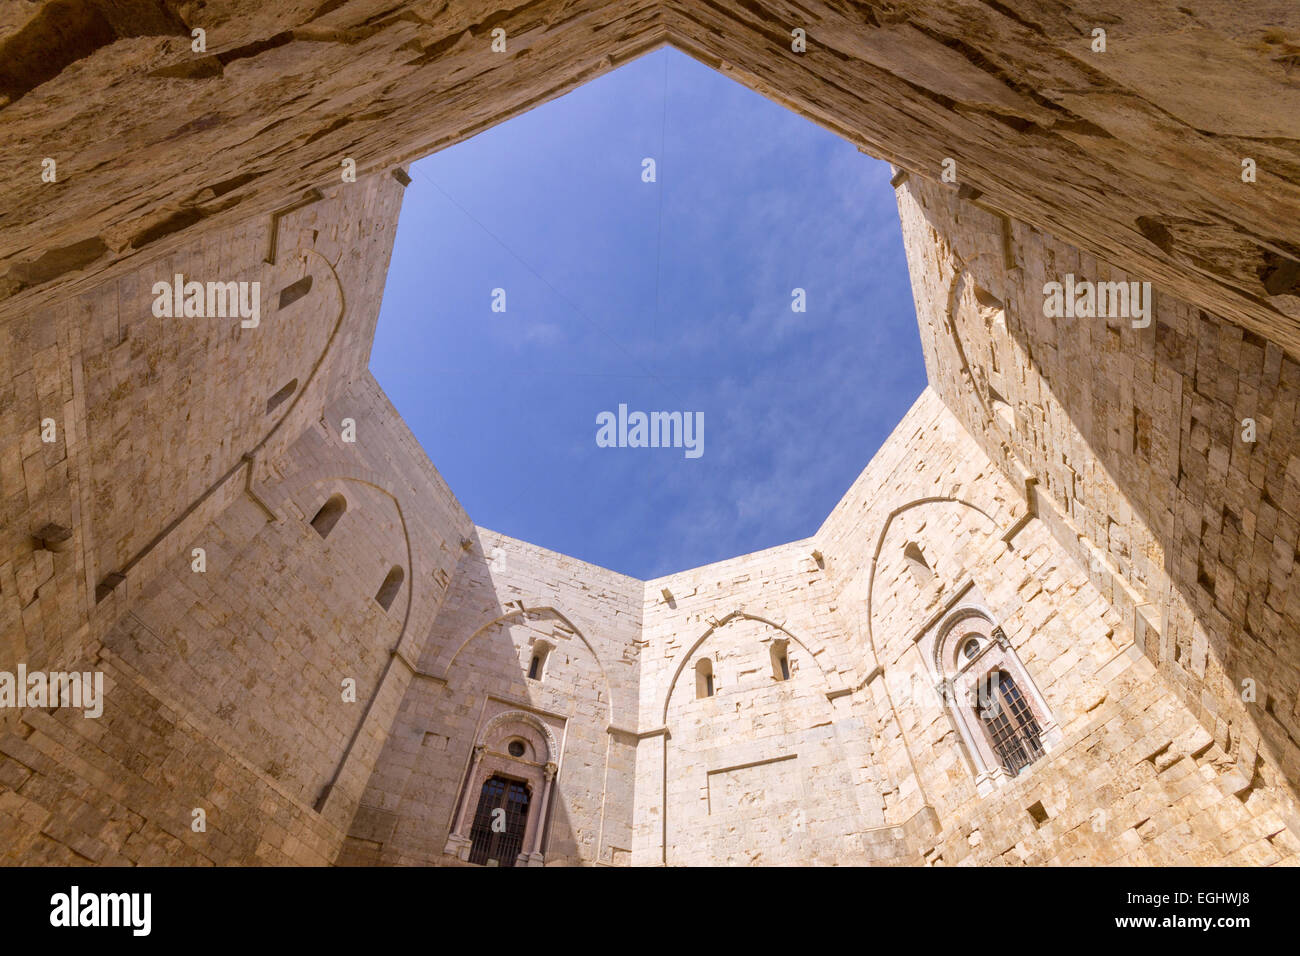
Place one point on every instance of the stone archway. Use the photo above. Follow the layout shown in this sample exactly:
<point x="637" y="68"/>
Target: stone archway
<point x="517" y="747"/>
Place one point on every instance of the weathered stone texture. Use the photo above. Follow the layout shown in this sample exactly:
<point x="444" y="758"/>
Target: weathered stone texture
<point x="1131" y="442"/>
<point x="1083" y="482"/>
<point x="506" y="596"/>
<point x="245" y="659"/>
<point x="1014" y="93"/>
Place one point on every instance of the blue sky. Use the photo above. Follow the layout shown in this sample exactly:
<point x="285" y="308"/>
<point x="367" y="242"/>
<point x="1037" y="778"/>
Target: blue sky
<point x="665" y="296"/>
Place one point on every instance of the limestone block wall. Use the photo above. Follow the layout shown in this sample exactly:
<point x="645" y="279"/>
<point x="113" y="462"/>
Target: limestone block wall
<point x="1131" y="440"/>
<point x="1134" y="778"/>
<point x="766" y="770"/>
<point x="1122" y="152"/>
<point x="930" y="484"/>
<point x="225" y="685"/>
<point x="1087" y="481"/>
<point x="508" y="601"/>
<point x="152" y="418"/>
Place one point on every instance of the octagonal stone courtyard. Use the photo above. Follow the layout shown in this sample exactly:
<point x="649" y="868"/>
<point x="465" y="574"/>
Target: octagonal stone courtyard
<point x="1054" y="620"/>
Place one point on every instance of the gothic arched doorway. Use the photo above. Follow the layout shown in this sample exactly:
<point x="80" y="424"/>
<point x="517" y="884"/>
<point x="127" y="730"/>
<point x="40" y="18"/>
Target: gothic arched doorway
<point x="497" y="835"/>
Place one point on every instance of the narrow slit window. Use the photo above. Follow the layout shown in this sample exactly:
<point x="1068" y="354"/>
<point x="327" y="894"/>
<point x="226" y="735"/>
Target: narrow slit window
<point x="329" y="515"/>
<point x="537" y="665"/>
<point x="780" y="653"/>
<point x="294" y="291"/>
<point x="704" y="678"/>
<point x="916" y="563"/>
<point x="388" y="590"/>
<point x="279" y="398"/>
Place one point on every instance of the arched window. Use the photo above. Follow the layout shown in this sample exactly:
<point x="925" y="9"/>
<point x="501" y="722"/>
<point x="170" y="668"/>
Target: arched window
<point x="1012" y="729"/>
<point x="388" y="590"/>
<point x="703" y="678"/>
<point x="917" y="564"/>
<point x="1002" y="721"/>
<point x="780" y="660"/>
<point x="278" y="399"/>
<point x="329" y="515"/>
<point x="537" y="664"/>
<point x="294" y="291"/>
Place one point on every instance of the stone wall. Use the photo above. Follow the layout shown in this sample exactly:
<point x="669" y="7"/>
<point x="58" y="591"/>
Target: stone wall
<point x="1085" y="483"/>
<point x="855" y="759"/>
<point x="508" y="599"/>
<point x="1130" y="443"/>
<point x="224" y="672"/>
<point x="1124" y="152"/>
<point x="765" y="770"/>
<point x="154" y="420"/>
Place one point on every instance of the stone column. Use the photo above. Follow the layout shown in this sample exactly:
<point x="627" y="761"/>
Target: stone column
<point x="947" y="691"/>
<point x="648" y="799"/>
<point x="458" y="842"/>
<point x="1049" y="731"/>
<point x="534" y="856"/>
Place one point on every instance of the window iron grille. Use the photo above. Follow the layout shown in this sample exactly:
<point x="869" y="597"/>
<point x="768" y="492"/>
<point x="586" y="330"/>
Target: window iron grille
<point x="496" y="844"/>
<point x="1012" y="728"/>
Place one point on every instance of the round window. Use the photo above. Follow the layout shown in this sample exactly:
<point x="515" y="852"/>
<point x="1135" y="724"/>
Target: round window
<point x="970" y="648"/>
<point x="516" y="748"/>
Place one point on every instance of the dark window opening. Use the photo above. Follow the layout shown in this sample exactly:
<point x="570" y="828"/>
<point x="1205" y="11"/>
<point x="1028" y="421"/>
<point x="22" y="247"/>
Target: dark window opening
<point x="278" y="399"/>
<point x="329" y="515"/>
<point x="498" y="845"/>
<point x="294" y="291"/>
<point x="516" y="748"/>
<point x="780" y="660"/>
<point x="537" y="666"/>
<point x="703" y="678"/>
<point x="388" y="590"/>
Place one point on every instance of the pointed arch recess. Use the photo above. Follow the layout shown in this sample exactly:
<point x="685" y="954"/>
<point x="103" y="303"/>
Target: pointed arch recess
<point x="522" y="611"/>
<point x="880" y="544"/>
<point x="721" y="623"/>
